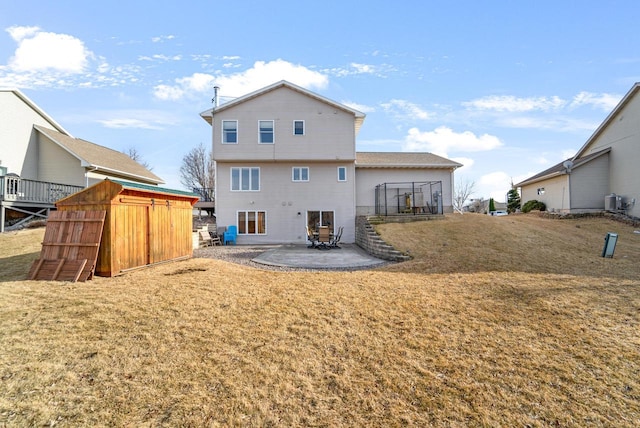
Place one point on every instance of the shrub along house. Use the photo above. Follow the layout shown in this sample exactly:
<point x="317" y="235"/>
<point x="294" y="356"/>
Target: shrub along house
<point x="286" y="160"/>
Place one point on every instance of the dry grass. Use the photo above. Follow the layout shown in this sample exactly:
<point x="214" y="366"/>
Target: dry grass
<point x="503" y="321"/>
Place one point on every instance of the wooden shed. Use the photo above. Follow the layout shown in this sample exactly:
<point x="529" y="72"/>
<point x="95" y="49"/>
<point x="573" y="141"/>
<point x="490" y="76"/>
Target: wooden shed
<point x="143" y="225"/>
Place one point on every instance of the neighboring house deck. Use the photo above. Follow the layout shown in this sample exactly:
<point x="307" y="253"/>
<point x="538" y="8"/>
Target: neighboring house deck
<point x="30" y="198"/>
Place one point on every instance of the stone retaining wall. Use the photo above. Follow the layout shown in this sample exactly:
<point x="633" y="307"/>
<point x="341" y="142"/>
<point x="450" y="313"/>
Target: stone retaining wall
<point x="370" y="241"/>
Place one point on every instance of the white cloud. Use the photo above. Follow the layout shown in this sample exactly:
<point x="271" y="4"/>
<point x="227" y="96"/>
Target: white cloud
<point x="568" y="153"/>
<point x="237" y="84"/>
<point x="496" y="185"/>
<point x="160" y="58"/>
<point x="406" y="110"/>
<point x="555" y="123"/>
<point x="356" y="68"/>
<point x="18" y="33"/>
<point x="162" y="38"/>
<point x="467" y="164"/>
<point x="510" y="103"/>
<point x="360" y="107"/>
<point x="38" y="51"/>
<point x="140" y="119"/>
<point x="168" y="93"/>
<point x="128" y="123"/>
<point x="443" y="139"/>
<point x="606" y="102"/>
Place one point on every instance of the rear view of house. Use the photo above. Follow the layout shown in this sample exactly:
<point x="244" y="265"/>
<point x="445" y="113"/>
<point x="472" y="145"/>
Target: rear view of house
<point x="286" y="162"/>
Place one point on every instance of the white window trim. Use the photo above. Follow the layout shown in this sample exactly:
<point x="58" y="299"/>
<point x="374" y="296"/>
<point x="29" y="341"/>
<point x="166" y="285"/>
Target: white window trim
<point x="304" y="127"/>
<point x="222" y="134"/>
<point x="240" y="183"/>
<point x="266" y="221"/>
<point x="300" y="168"/>
<point x="273" y="131"/>
<point x="345" y="173"/>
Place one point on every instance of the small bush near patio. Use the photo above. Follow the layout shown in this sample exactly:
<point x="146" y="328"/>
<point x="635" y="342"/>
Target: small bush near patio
<point x="517" y="322"/>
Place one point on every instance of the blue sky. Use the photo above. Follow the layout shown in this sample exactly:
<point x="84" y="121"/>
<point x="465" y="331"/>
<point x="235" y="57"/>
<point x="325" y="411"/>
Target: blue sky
<point x="508" y="88"/>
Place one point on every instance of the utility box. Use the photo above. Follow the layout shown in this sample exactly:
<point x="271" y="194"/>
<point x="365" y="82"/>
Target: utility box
<point x="609" y="245"/>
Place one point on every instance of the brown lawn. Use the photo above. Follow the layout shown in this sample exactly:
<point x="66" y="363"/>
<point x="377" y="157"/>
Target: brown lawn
<point x="497" y="321"/>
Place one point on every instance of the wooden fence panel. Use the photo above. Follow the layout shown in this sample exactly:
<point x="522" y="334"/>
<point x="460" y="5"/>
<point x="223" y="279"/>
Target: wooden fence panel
<point x="70" y="247"/>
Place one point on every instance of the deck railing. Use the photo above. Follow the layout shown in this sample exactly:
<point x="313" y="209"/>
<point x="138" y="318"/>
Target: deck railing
<point x="14" y="188"/>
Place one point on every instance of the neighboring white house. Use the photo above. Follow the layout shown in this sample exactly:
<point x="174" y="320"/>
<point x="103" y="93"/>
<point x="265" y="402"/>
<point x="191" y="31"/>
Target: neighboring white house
<point x="286" y="159"/>
<point x="40" y="162"/>
<point x="604" y="173"/>
<point x="35" y="147"/>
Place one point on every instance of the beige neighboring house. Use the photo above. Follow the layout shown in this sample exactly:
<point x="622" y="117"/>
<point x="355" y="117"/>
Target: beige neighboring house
<point x="604" y="173"/>
<point x="40" y="161"/>
<point x="286" y="160"/>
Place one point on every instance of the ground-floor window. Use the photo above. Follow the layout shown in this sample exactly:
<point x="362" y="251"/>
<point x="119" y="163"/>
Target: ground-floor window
<point x="315" y="219"/>
<point x="252" y="222"/>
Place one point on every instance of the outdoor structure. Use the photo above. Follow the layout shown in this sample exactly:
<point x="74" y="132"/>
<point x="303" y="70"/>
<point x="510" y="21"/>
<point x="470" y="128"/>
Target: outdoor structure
<point x="286" y="160"/>
<point x="403" y="183"/>
<point x="604" y="173"/>
<point x="144" y="224"/>
<point x="40" y="162"/>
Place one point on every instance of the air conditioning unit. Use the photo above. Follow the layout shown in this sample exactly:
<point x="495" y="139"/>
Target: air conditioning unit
<point x="613" y="203"/>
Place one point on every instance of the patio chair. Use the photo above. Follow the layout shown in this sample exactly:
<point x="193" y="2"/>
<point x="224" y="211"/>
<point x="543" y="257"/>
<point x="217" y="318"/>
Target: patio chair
<point x="336" y="238"/>
<point x="230" y="235"/>
<point x="213" y="232"/>
<point x="324" y="237"/>
<point x="311" y="237"/>
<point x="205" y="239"/>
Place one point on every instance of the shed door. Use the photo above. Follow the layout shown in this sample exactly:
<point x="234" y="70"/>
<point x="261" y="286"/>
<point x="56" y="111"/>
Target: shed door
<point x="162" y="236"/>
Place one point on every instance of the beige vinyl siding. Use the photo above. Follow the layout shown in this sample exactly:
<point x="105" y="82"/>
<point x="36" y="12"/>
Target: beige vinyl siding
<point x="368" y="178"/>
<point x="18" y="140"/>
<point x="556" y="193"/>
<point x="57" y="165"/>
<point x="329" y="131"/>
<point x="282" y="200"/>
<point x="590" y="184"/>
<point x="622" y="134"/>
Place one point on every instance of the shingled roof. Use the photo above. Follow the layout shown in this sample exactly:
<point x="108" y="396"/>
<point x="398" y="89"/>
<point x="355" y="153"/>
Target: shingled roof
<point x="100" y="158"/>
<point x="560" y="169"/>
<point x="403" y="160"/>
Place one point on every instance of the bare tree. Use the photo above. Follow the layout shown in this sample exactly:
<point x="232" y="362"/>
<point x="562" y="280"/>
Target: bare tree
<point x="134" y="154"/>
<point x="463" y="190"/>
<point x="198" y="169"/>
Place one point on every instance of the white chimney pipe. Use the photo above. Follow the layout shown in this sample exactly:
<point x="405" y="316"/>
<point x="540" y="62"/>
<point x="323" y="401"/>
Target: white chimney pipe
<point x="216" y="102"/>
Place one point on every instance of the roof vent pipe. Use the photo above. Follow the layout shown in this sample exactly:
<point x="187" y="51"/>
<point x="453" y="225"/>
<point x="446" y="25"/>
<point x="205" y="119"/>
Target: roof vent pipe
<point x="216" y="102"/>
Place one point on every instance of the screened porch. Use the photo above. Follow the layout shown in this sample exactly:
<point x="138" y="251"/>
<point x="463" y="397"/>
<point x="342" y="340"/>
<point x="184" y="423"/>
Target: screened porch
<point x="409" y="198"/>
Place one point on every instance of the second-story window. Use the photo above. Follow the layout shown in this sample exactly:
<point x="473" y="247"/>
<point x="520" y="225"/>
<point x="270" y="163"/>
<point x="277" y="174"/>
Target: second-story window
<point x="266" y="131"/>
<point x="300" y="173"/>
<point x="298" y="127"/>
<point x="245" y="179"/>
<point x="229" y="132"/>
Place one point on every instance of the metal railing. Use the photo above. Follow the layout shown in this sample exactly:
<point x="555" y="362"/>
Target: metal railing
<point x="14" y="188"/>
